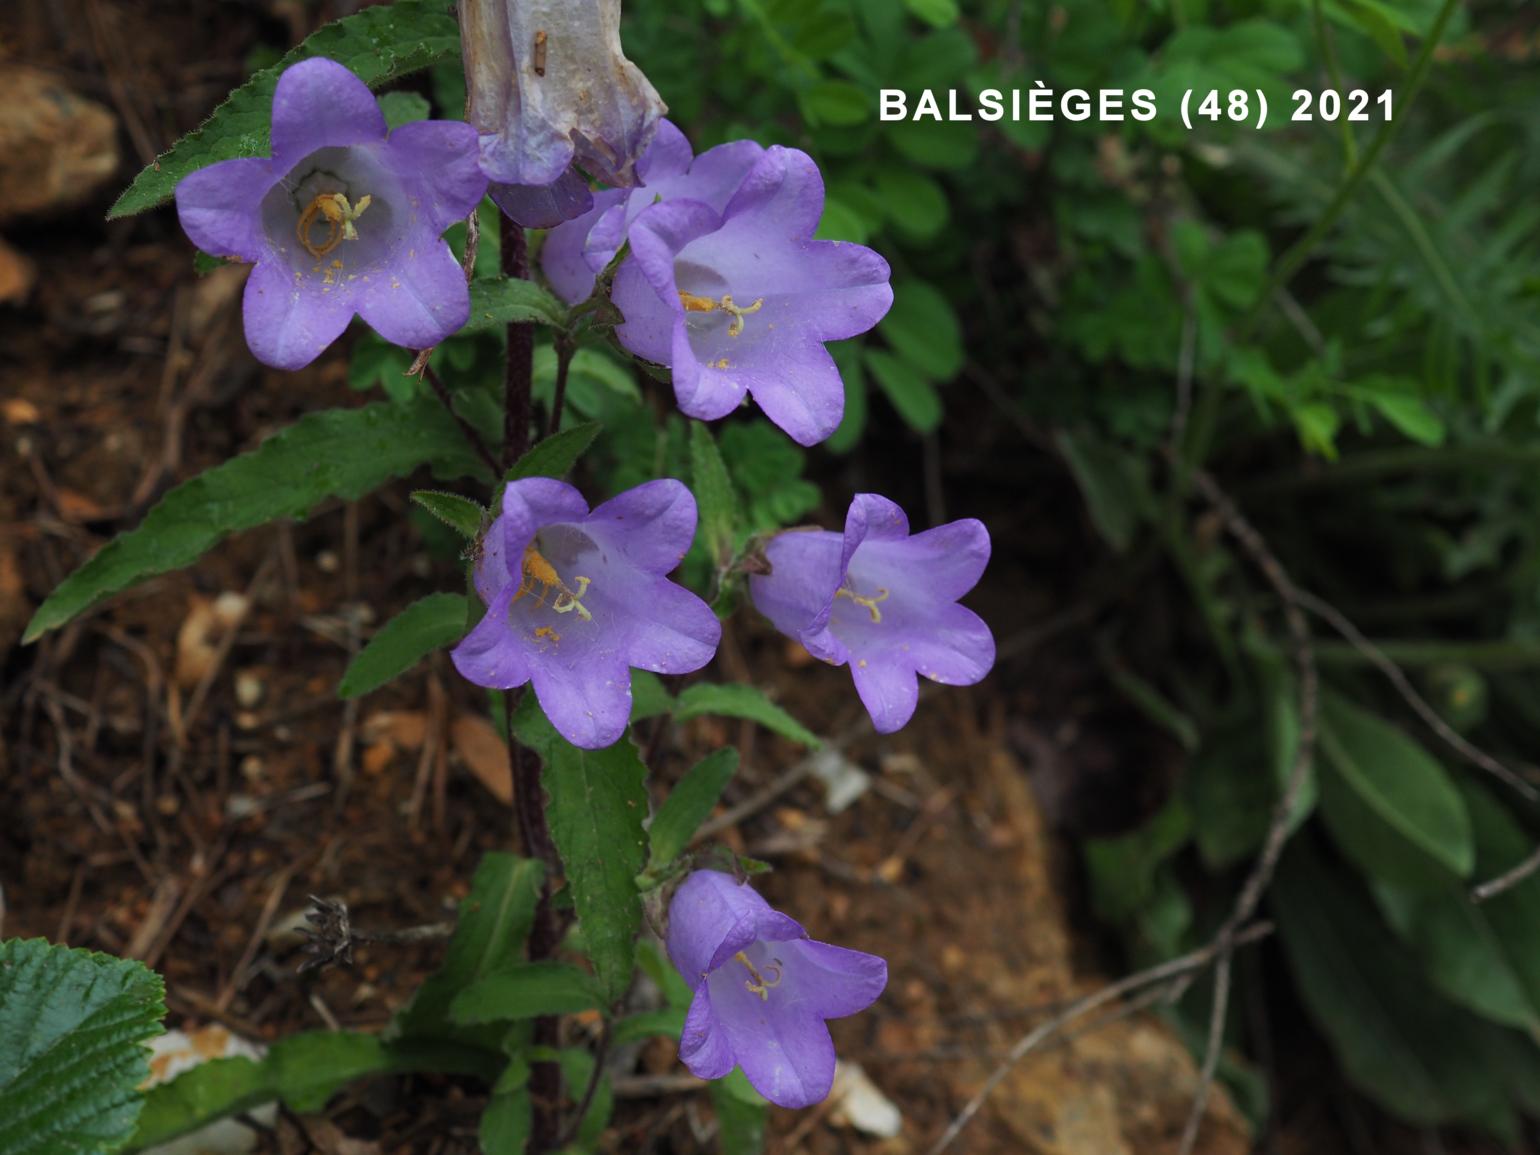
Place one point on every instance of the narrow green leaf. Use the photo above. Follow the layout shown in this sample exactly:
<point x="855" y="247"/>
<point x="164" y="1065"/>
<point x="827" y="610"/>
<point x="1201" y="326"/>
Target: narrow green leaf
<point x="377" y="44"/>
<point x="1114" y="483"/>
<point x="432" y="623"/>
<point x="525" y="992"/>
<point x="689" y="804"/>
<point x="667" y="1023"/>
<point x="742" y="1115"/>
<point x="494" y="921"/>
<point x="72" y="1025"/>
<point x="507" y="301"/>
<point x="740" y="701"/>
<point x="303" y="1070"/>
<point x="598" y="799"/>
<point x="509" y="1117"/>
<point x="1392" y="808"/>
<point x="341" y="453"/>
<point x="557" y="454"/>
<point x="577" y="1068"/>
<point x="1400" y="1043"/>
<point x="714" y="493"/>
<point x="460" y="514"/>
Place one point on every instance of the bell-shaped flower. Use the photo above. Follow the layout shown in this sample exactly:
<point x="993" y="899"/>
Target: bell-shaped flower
<point x="741" y="301"/>
<point x="549" y="86"/>
<point x="763" y="990"/>
<point x="883" y="602"/>
<point x="576" y="598"/>
<point x="345" y="217"/>
<point x="575" y="252"/>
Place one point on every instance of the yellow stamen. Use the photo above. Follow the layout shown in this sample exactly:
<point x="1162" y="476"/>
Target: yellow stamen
<point x="548" y="633"/>
<point x="869" y="603"/>
<point x="539" y="579"/>
<point x="694" y="304"/>
<point x="757" y="983"/>
<point x="338" y="215"/>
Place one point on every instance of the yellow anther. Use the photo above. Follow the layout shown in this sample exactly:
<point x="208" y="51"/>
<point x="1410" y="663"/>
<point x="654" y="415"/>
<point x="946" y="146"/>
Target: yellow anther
<point x="338" y="215"/>
<point x="758" y="984"/>
<point x="540" y="580"/>
<point x="548" y="634"/>
<point x="694" y="304"/>
<point x="869" y="603"/>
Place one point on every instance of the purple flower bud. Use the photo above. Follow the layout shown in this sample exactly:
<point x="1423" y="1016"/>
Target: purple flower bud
<point x="341" y="219"/>
<point x="883" y="602"/>
<point x="576" y="598"/>
<point x="549" y="85"/>
<point x="742" y="300"/>
<point x="762" y="990"/>
<point x="576" y="251"/>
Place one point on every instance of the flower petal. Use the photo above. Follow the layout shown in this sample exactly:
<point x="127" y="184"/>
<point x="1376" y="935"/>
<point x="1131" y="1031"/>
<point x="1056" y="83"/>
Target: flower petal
<point x="532" y="503"/>
<point x="289" y="319"/>
<point x="710" y="912"/>
<point x="703" y="1045"/>
<point x="220" y="207"/>
<point x="888" y="688"/>
<point x="320" y="104"/>
<point x="783" y="1047"/>
<point x="562" y="255"/>
<point x="442" y="155"/>
<point x="833" y="981"/>
<point x="648" y="329"/>
<point x="491" y="654"/>
<point x="786" y="186"/>
<point x="545" y="206"/>
<point x="588" y="701"/>
<point x="668" y="155"/>
<point x="806" y="567"/>
<point x="671" y="630"/>
<point x="420" y="299"/>
<point x="651" y="525"/>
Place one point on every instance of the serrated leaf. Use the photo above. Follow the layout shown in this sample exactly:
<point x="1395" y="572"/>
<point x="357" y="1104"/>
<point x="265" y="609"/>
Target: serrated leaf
<point x="689" y="804"/>
<point x="404" y="108"/>
<point x="343" y="453"/>
<point x="72" y="1028"/>
<point x="378" y="44"/>
<point x="1391" y="807"/>
<point x="525" y="991"/>
<point x="713" y="494"/>
<point x="557" y="454"/>
<point x="912" y="395"/>
<point x="429" y="624"/>
<point x="304" y="1071"/>
<point x="736" y="700"/>
<point x="460" y="514"/>
<point x="501" y="301"/>
<point x="493" y="922"/>
<point x="598" y="799"/>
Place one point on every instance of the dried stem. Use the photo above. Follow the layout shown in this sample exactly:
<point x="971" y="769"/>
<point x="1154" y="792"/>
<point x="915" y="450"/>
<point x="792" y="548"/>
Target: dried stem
<point x="1507" y="880"/>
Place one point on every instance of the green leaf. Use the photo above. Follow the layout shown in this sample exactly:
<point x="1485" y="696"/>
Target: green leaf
<point x="649" y="697"/>
<point x="1395" y="1038"/>
<point x="1391" y="807"/>
<point x="1114" y="483"/>
<point x="557" y="454"/>
<point x="667" y="1024"/>
<point x="1411" y="416"/>
<point x="936" y="13"/>
<point x="72" y="1025"/>
<point x="494" y="921"/>
<point x="499" y="302"/>
<point x="923" y="329"/>
<point x="525" y="992"/>
<point x="404" y="108"/>
<point x="343" y="453"/>
<point x="934" y="144"/>
<point x="1123" y="869"/>
<point x="739" y="701"/>
<point x="741" y="1121"/>
<point x="689" y="804"/>
<point x="509" y="1117"/>
<point x="377" y="44"/>
<point x="429" y="624"/>
<point x="460" y="514"/>
<point x="303" y="1070"/>
<point x="714" y="493"/>
<point x="912" y="395"/>
<point x="914" y="202"/>
<point x="835" y="102"/>
<point x="598" y="799"/>
<point x="577" y="1068"/>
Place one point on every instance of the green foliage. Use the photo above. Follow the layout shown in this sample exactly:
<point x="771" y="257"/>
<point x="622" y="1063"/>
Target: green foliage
<point x="689" y="804"/>
<point x="72" y="1028"/>
<point x="740" y="701"/>
<point x="525" y="992"/>
<point x="714" y="495"/>
<point x="557" y="454"/>
<point x="460" y="514"/>
<point x="742" y="1116"/>
<point x="378" y="44"/>
<point x="598" y="800"/>
<point x="341" y="453"/>
<point x="428" y="624"/>
<point x="497" y="303"/>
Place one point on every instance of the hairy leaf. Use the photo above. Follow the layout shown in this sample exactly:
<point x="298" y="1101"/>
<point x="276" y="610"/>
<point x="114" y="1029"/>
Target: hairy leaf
<point x="557" y="454"/>
<point x="429" y="624"/>
<point x="460" y="514"/>
<point x="495" y="303"/>
<point x="689" y="804"/>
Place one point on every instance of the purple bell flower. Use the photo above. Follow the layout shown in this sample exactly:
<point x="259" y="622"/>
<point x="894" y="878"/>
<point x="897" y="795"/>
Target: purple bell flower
<point x="343" y="218"/>
<point x="742" y="300"/>
<point x="883" y="602"/>
<point x="762" y="990"/>
<point x="575" y="598"/>
<point x="578" y="250"/>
